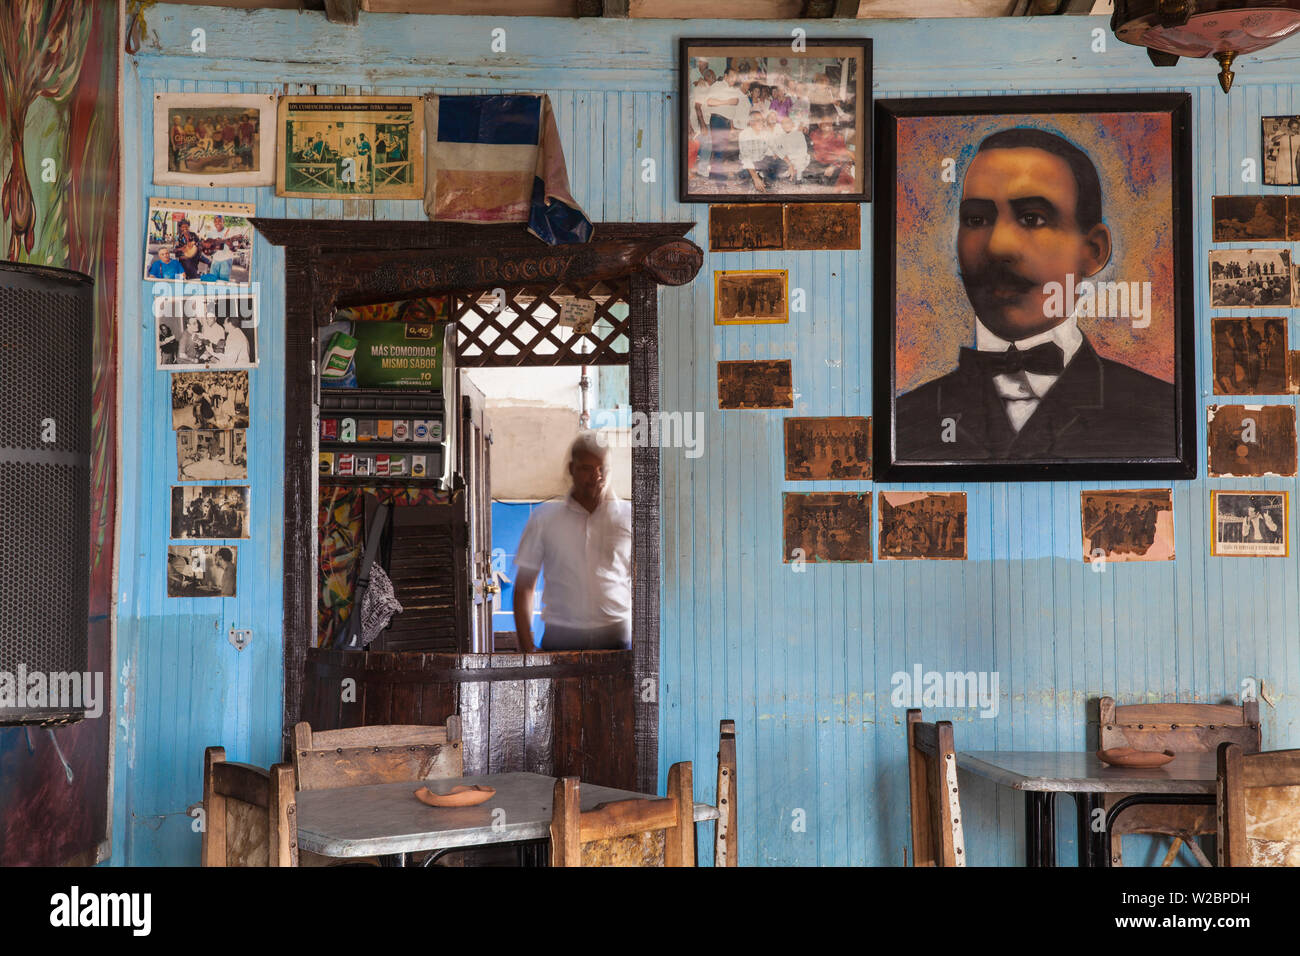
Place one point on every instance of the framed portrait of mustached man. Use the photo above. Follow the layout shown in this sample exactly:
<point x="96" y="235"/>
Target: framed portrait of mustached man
<point x="1034" y="288"/>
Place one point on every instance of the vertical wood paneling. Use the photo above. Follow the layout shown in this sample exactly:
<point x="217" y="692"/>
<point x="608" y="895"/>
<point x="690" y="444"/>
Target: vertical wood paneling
<point x="801" y="661"/>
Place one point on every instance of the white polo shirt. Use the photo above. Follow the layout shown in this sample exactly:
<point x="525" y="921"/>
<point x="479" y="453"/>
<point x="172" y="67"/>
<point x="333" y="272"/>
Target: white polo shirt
<point x="586" y="558"/>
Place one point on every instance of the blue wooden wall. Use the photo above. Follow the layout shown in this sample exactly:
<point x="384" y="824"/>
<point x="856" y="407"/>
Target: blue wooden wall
<point x="802" y="662"/>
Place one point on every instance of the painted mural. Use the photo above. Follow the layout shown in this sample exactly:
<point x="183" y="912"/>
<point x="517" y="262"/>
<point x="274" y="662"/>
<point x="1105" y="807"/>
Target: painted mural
<point x="59" y="150"/>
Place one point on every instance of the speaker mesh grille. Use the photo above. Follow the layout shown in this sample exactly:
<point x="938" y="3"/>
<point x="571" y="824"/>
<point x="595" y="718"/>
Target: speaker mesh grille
<point x="46" y="370"/>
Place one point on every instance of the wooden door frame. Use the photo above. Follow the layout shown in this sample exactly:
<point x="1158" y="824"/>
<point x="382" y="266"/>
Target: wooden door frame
<point x="345" y="262"/>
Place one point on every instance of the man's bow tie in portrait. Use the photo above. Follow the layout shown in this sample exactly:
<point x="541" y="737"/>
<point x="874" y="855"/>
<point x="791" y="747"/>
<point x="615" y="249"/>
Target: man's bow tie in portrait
<point x="1044" y="359"/>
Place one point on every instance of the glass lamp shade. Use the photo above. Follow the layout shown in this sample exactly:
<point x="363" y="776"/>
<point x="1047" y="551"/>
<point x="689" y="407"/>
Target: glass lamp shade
<point x="1218" y="28"/>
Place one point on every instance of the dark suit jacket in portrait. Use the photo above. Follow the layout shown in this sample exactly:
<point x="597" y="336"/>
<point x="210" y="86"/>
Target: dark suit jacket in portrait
<point x="1097" y="409"/>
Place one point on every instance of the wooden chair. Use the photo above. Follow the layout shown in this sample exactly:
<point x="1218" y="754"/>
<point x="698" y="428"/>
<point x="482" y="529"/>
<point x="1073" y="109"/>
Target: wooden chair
<point x="654" y="831"/>
<point x="1258" y="807"/>
<point x="1182" y="728"/>
<point x="937" y="837"/>
<point x="360" y="756"/>
<point x="249" y="815"/>
<point x="726" y="851"/>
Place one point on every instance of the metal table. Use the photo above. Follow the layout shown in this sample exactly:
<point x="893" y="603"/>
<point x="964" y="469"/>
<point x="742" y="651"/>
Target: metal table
<point x="386" y="820"/>
<point x="1188" y="779"/>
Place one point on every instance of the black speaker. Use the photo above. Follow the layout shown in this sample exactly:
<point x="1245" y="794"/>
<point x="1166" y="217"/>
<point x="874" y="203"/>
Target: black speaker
<point x="46" y="338"/>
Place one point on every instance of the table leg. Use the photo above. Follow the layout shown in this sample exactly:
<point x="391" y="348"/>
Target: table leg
<point x="392" y="859"/>
<point x="1094" y="844"/>
<point x="1040" y="828"/>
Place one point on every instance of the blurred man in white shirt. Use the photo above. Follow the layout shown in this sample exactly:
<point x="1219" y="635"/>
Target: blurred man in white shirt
<point x="583" y="545"/>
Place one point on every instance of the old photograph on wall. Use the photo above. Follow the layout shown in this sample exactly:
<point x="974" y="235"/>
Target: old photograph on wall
<point x="214" y="140"/>
<point x="1251" y="440"/>
<point x="1281" y="136"/>
<point x="818" y="449"/>
<point x="1244" y="218"/>
<point x="198" y="240"/>
<point x="205" y="331"/>
<point x="1250" y="356"/>
<point x="1250" y="278"/>
<point x="761" y="384"/>
<point x="211" y="454"/>
<point x="209" y="511"/>
<point x="1251" y="524"/>
<point x="823" y="225"/>
<point x="350" y="147"/>
<point x="738" y="228"/>
<point x="201" y="570"/>
<point x="826" y="527"/>
<point x="923" y="524"/>
<point x="210" y="399"/>
<point x="1126" y="525"/>
<point x="756" y="296"/>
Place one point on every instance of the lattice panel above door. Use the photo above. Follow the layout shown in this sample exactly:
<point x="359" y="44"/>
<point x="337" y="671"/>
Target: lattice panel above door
<point x="528" y="330"/>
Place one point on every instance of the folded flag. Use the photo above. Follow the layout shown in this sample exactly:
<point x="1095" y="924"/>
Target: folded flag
<point x="499" y="159"/>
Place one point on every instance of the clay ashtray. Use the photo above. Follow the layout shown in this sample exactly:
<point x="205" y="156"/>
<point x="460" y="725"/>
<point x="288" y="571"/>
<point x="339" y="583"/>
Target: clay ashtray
<point x="1128" y="757"/>
<point x="456" y="797"/>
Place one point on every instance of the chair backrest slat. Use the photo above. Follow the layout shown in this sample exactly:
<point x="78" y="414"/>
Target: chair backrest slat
<point x="726" y="849"/>
<point x="360" y="756"/>
<point x="651" y="831"/>
<point x="1258" y="807"/>
<point x="937" y="835"/>
<point x="250" y="815"/>
<point x="1182" y="728"/>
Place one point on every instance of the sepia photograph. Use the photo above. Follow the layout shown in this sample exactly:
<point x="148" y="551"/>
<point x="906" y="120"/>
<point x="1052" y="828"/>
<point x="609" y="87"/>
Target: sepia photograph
<point x="205" y="331"/>
<point x="1248" y="441"/>
<point x="762" y="121"/>
<point x="1281" y="140"/>
<point x="1243" y="218"/>
<point x="350" y="147"/>
<point x="826" y="527"/>
<point x="761" y="384"/>
<point x="1293" y="223"/>
<point x="211" y="454"/>
<point x="209" y="511"/>
<point x="740" y="228"/>
<point x="1128" y="525"/>
<point x="205" y="400"/>
<point x="1099" y="306"/>
<point x="201" y="570"/>
<point x="1250" y="356"/>
<point x="1250" y="278"/>
<point x="214" y="140"/>
<point x="750" y="298"/>
<point x="927" y="525"/>
<point x="1249" y="524"/>
<point x="823" y="225"/>
<point x="198" y="240"/>
<point x="818" y="449"/>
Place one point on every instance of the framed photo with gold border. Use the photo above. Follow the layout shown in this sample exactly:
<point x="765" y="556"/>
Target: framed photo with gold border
<point x="754" y="297"/>
<point x="350" y="147"/>
<point x="1250" y="524"/>
<point x="214" y="140"/>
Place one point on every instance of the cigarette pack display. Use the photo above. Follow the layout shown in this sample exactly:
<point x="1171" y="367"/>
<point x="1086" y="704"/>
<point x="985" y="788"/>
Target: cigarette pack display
<point x="365" y="465"/>
<point x="435" y="430"/>
<point x="367" y="429"/>
<point x="418" y="466"/>
<point x="347" y="463"/>
<point x="381" y="465"/>
<point x="326" y="463"/>
<point x="385" y="429"/>
<point x="421" y="431"/>
<point x="401" y="430"/>
<point x="329" y="429"/>
<point x="397" y="464"/>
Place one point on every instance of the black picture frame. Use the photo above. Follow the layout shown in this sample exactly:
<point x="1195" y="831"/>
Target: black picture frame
<point x="931" y="464"/>
<point x="782" y="48"/>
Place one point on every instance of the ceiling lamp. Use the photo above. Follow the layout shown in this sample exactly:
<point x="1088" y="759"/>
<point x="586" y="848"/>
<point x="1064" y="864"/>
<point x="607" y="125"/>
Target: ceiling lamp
<point x="1219" y="28"/>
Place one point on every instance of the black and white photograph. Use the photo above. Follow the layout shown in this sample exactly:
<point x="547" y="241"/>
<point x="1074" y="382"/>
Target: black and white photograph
<point x="1281" y="135"/>
<point x="766" y="383"/>
<point x="737" y="228"/>
<point x="201" y="570"/>
<point x="1250" y="278"/>
<point x="211" y="454"/>
<point x="927" y="525"/>
<point x="1250" y="441"/>
<point x="1246" y="218"/>
<point x="1130" y="525"/>
<point x="209" y="511"/>
<point x="1249" y="524"/>
<point x="1250" y="356"/>
<point x="206" y="331"/>
<point x="826" y="527"/>
<point x="817" y="449"/>
<point x="755" y="297"/>
<point x="761" y="121"/>
<point x="210" y="399"/>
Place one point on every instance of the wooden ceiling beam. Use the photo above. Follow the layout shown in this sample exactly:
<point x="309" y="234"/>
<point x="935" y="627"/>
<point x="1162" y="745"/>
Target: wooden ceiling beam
<point x="602" y="8"/>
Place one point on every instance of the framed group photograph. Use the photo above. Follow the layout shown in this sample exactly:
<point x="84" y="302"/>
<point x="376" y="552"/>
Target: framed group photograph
<point x="1033" y="288"/>
<point x="743" y="228"/>
<point x="214" y="140"/>
<point x="1250" y="356"/>
<point x="1281" y="141"/>
<point x="774" y="120"/>
<point x="922" y="525"/>
<point x="350" y="147"/>
<point x="748" y="298"/>
<point x="826" y="527"/>
<point x="1133" y="525"/>
<point x="217" y="330"/>
<point x="821" y="449"/>
<point x="198" y="240"/>
<point x="1250" y="524"/>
